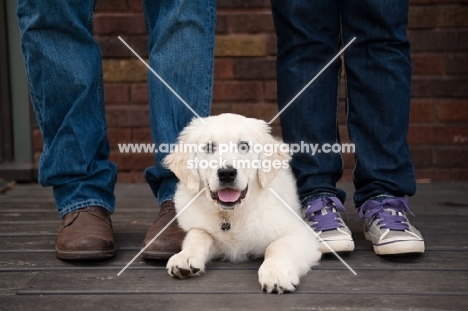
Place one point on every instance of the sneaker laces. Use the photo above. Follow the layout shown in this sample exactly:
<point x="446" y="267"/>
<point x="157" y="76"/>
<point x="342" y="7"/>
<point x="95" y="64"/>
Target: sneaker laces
<point x="389" y="212"/>
<point x="322" y="222"/>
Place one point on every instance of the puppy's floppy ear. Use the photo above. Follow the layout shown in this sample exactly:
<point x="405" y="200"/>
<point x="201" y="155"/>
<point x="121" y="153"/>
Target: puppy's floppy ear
<point x="179" y="162"/>
<point x="278" y="157"/>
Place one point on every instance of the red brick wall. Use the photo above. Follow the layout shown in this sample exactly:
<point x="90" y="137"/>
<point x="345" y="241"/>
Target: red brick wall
<point x="438" y="31"/>
<point x="245" y="80"/>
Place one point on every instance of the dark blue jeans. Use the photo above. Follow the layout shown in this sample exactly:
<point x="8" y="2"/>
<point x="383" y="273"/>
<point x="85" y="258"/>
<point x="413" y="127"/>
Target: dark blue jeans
<point x="64" y="68"/>
<point x="378" y="86"/>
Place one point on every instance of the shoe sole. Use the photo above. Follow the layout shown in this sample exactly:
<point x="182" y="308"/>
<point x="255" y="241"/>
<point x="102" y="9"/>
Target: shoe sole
<point x="157" y="255"/>
<point x="397" y="247"/>
<point x="340" y="246"/>
<point x="84" y="255"/>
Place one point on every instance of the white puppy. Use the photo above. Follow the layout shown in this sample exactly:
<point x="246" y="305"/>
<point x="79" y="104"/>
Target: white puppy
<point x="238" y="217"/>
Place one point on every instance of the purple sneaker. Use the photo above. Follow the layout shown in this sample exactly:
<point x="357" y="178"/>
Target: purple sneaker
<point x="386" y="226"/>
<point x="323" y="216"/>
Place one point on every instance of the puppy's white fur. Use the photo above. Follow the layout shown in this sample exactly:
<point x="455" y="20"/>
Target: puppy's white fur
<point x="260" y="224"/>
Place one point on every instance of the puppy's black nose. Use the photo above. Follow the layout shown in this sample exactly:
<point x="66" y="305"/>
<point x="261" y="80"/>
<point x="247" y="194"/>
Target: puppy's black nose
<point x="227" y="174"/>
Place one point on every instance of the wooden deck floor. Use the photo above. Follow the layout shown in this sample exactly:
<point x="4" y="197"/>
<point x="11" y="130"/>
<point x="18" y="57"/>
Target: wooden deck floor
<point x="31" y="278"/>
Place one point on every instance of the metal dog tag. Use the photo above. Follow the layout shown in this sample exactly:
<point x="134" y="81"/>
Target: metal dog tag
<point x="225" y="226"/>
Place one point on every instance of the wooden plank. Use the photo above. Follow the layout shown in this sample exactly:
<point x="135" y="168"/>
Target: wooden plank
<point x="246" y="281"/>
<point x="440" y="261"/>
<point x="11" y="243"/>
<point x="248" y="302"/>
<point x="34" y="217"/>
<point x="131" y="236"/>
<point x="426" y="223"/>
<point x="50" y="228"/>
<point x="11" y="282"/>
<point x="27" y="243"/>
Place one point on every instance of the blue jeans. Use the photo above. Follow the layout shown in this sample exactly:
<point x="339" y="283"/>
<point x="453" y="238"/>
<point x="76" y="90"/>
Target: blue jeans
<point x="378" y="86"/>
<point x="64" y="68"/>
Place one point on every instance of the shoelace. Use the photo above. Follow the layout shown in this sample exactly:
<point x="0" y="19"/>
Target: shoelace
<point x="382" y="211"/>
<point x="330" y="220"/>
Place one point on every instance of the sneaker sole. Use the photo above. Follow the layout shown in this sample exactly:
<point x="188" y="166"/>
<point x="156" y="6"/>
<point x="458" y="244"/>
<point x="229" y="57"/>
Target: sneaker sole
<point x="84" y="255"/>
<point x="397" y="247"/>
<point x="341" y="246"/>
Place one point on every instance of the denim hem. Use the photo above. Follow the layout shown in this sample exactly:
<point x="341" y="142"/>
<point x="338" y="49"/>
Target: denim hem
<point x="318" y="196"/>
<point x="378" y="198"/>
<point x="84" y="204"/>
<point x="165" y="199"/>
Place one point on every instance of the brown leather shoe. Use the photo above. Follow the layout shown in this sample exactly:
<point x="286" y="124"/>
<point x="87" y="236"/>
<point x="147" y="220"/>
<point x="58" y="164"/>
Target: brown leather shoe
<point x="170" y="240"/>
<point x="86" y="234"/>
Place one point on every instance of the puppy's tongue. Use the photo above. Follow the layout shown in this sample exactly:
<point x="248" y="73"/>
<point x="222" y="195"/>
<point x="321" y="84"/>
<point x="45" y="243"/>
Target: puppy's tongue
<point x="228" y="195"/>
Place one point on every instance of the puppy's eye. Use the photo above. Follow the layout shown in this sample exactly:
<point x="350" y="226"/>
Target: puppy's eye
<point x="209" y="147"/>
<point x="244" y="147"/>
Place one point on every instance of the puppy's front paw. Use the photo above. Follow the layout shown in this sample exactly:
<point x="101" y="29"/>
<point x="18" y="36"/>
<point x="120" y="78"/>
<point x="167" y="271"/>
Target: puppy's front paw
<point x="277" y="277"/>
<point x="182" y="266"/>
